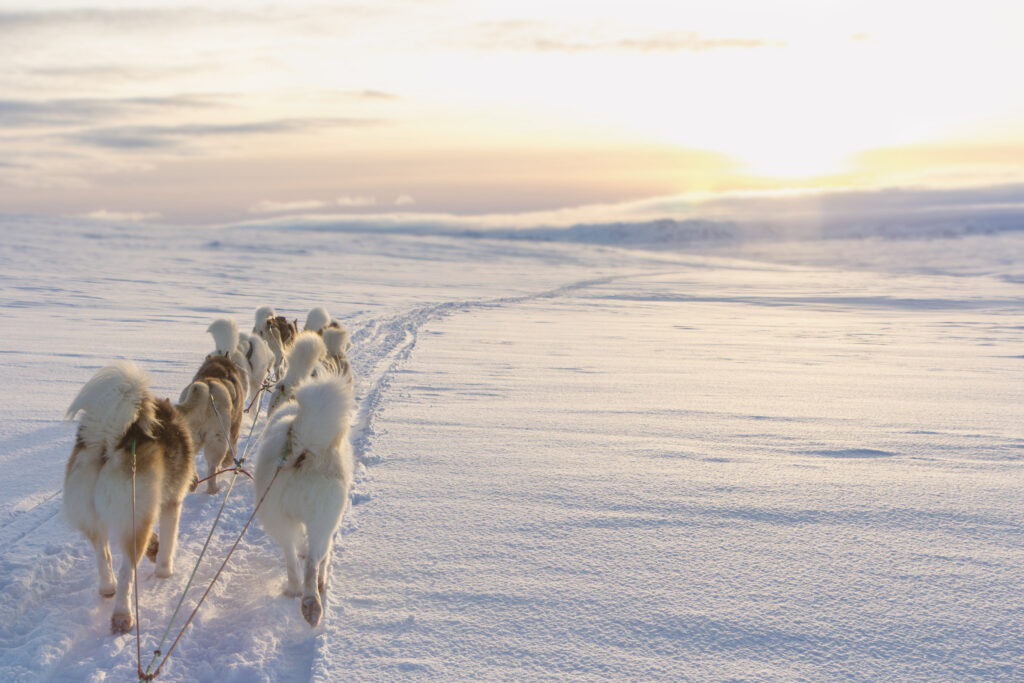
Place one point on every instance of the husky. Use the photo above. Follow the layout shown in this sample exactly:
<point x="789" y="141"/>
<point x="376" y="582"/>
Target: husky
<point x="119" y="416"/>
<point x="317" y="319"/>
<point x="335" y="362"/>
<point x="306" y="354"/>
<point x="278" y="332"/>
<point x="303" y="506"/>
<point x="250" y="353"/>
<point x="212" y="406"/>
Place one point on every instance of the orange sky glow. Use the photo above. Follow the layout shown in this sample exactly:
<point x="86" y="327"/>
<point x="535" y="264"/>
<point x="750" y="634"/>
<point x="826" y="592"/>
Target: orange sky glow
<point x="232" y="111"/>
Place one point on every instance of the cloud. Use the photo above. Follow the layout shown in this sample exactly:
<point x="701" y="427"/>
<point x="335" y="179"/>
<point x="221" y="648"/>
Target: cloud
<point x="347" y="201"/>
<point x="156" y="137"/>
<point x="125" y="216"/>
<point x="887" y="212"/>
<point x="372" y="95"/>
<point x="57" y="112"/>
<point x="404" y="200"/>
<point x="269" y="206"/>
<point x="536" y="36"/>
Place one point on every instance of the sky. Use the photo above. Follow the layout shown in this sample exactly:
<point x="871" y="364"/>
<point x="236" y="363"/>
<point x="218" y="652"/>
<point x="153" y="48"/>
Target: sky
<point x="165" y="112"/>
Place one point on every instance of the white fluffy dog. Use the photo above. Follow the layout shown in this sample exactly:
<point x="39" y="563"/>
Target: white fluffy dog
<point x="317" y="319"/>
<point x="335" y="362"/>
<point x="309" y="440"/>
<point x="250" y="353"/>
<point x="119" y="415"/>
<point x="306" y="354"/>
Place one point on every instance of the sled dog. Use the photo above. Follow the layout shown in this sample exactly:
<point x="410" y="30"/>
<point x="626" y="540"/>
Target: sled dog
<point x="119" y="416"/>
<point x="335" y="362"/>
<point x="278" y="332"/>
<point x="306" y="354"/>
<point x="250" y="353"/>
<point x="212" y="406"/>
<point x="303" y="506"/>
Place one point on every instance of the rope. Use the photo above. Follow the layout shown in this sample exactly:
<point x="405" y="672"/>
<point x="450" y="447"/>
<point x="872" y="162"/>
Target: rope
<point x="135" y="572"/>
<point x="238" y="468"/>
<point x="229" y="469"/>
<point x="263" y="387"/>
<point x="280" y="465"/>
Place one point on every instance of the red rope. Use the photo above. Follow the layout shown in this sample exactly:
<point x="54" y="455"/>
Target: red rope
<point x="230" y="469"/>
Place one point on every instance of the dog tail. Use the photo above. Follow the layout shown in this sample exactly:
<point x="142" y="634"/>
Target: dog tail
<point x="225" y="335"/>
<point x="317" y="319"/>
<point x="114" y="398"/>
<point x="324" y="409"/>
<point x="337" y="341"/>
<point x="194" y="396"/>
<point x="307" y="351"/>
<point x="262" y="313"/>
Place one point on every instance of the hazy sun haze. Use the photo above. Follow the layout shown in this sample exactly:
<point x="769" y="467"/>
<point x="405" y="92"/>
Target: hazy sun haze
<point x="216" y="112"/>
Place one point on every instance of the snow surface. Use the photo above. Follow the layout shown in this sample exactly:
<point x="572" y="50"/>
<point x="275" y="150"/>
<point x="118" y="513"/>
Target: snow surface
<point x="780" y="462"/>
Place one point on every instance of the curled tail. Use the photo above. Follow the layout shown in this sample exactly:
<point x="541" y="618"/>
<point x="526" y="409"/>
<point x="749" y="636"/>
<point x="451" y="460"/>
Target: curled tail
<point x="337" y="340"/>
<point x="307" y="351"/>
<point x="324" y="409"/>
<point x="194" y="397"/>
<point x="317" y="319"/>
<point x="114" y="398"/>
<point x="262" y="313"/>
<point x="225" y="335"/>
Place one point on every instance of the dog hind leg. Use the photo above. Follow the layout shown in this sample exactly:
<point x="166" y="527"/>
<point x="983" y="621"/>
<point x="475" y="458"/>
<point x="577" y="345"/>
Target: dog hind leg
<point x="104" y="565"/>
<point x="216" y="452"/>
<point x="317" y="557"/>
<point x="170" y="513"/>
<point x="132" y="548"/>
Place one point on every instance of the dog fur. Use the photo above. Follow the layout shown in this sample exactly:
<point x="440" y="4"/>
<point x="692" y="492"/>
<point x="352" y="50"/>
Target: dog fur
<point x="212" y="406"/>
<point x="309" y="437"/>
<point x="335" y="362"/>
<point x="249" y="352"/>
<point x="305" y="356"/>
<point x="317" y="319"/>
<point x="117" y="412"/>
<point x="278" y="332"/>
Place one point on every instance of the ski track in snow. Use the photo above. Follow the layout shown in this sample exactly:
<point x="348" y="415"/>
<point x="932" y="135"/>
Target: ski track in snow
<point x="53" y="624"/>
<point x="76" y="644"/>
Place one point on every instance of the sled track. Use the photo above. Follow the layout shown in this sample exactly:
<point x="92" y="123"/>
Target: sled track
<point x="43" y="558"/>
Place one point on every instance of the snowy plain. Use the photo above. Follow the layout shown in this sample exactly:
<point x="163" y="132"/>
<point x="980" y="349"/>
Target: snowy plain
<point x="766" y="461"/>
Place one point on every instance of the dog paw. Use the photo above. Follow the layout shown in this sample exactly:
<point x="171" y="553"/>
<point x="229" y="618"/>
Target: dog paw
<point x="292" y="591"/>
<point x="164" y="572"/>
<point x="195" y="484"/>
<point x="213" y="489"/>
<point x="120" y="623"/>
<point x="107" y="591"/>
<point x="312" y="610"/>
<point x="153" y="548"/>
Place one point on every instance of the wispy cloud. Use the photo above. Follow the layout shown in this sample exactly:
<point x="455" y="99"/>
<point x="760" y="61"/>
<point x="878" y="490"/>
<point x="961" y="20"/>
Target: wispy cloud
<point x="125" y="216"/>
<point x="537" y="36"/>
<point x="157" y="137"/>
<point x="346" y="201"/>
<point x="26" y="113"/>
<point x="404" y="200"/>
<point x="269" y="206"/>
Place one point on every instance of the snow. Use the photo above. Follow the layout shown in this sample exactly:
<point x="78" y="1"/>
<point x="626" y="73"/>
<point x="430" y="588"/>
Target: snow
<point x="762" y="461"/>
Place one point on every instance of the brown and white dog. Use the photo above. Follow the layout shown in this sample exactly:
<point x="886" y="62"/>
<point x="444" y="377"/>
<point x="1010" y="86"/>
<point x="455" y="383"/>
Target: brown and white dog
<point x="119" y="416"/>
<point x="309" y="438"/>
<point x="251" y="353"/>
<point x="278" y="332"/>
<point x="212" y="406"/>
